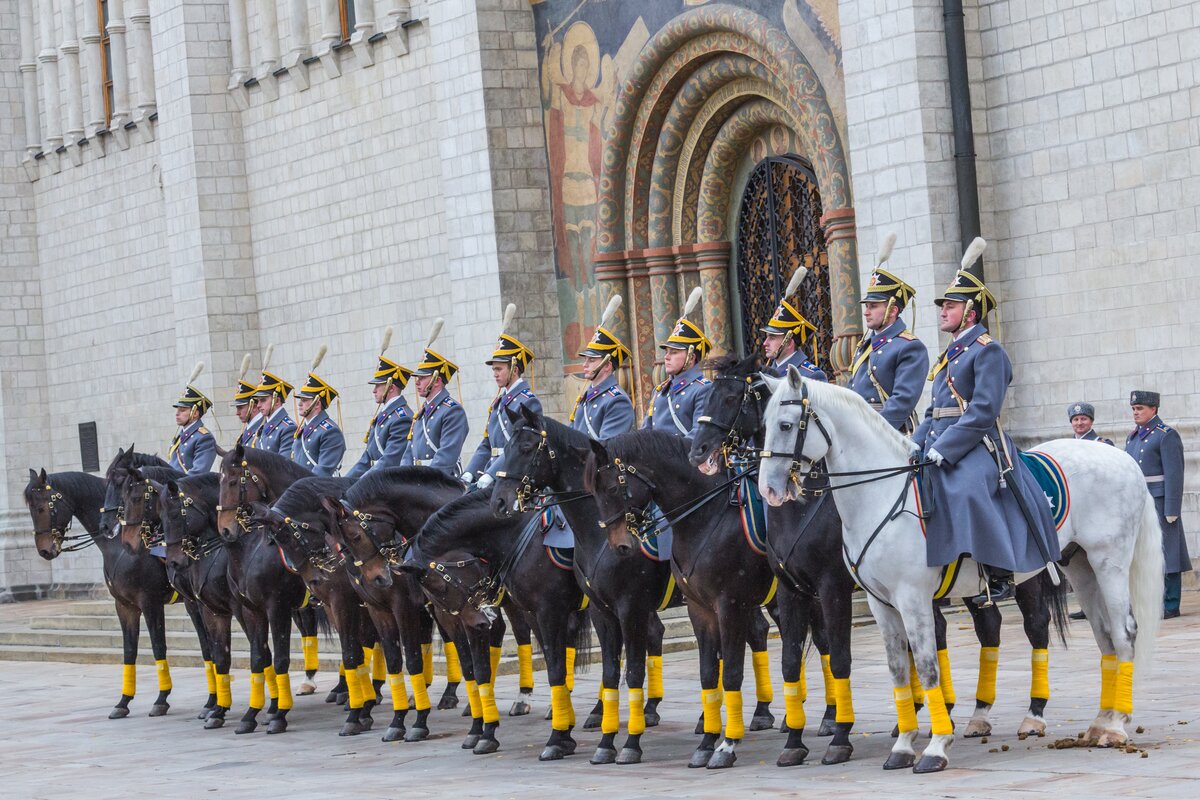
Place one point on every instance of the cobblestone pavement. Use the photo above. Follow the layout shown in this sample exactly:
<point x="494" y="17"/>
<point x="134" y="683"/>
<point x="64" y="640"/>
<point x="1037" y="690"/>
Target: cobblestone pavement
<point x="58" y="743"/>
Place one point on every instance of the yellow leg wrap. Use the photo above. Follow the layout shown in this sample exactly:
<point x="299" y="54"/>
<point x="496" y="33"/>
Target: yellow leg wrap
<point x="525" y="666"/>
<point x="793" y="704"/>
<point x="906" y="714"/>
<point x="210" y="676"/>
<point x="257" y="684"/>
<point x="845" y="705"/>
<point x="711" y="699"/>
<point x="453" y="665"/>
<point x="427" y="662"/>
<point x="1040" y="664"/>
<point x="487" y="699"/>
<point x="654" y="679"/>
<point x="494" y="660"/>
<point x="308" y="644"/>
<point x="364" y="682"/>
<point x="1108" y="682"/>
<point x="378" y="664"/>
<point x="420" y="692"/>
<point x="283" y="685"/>
<point x="985" y="687"/>
<point x="473" y="700"/>
<point x="914" y="683"/>
<point x="395" y="682"/>
<point x="637" y="711"/>
<point x="129" y="680"/>
<point x="164" y="674"/>
<point x="1123" y="690"/>
<point x="937" y="712"/>
<point x="367" y="654"/>
<point x="224" y="690"/>
<point x="610" y="719"/>
<point x="570" y="669"/>
<point x="762" y="677"/>
<point x="354" y="688"/>
<point x="735" y="725"/>
<point x="944" y="678"/>
<point x="830" y="697"/>
<point x="560" y="704"/>
<point x="272" y="682"/>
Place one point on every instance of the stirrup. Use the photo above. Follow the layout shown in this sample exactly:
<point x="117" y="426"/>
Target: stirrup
<point x="997" y="589"/>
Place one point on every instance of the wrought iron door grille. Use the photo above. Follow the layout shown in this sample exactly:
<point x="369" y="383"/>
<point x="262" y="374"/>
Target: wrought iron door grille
<point x="779" y="229"/>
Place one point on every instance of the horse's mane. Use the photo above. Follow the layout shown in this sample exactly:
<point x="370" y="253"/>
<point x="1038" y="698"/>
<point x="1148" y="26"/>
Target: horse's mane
<point x="80" y="485"/>
<point x="202" y="489"/>
<point x="145" y="460"/>
<point x="306" y="493"/>
<point x="726" y="363"/>
<point x="560" y="434"/>
<point x="380" y="483"/>
<point x="162" y="474"/>
<point x="451" y="521"/>
<point x="847" y="400"/>
<point x="267" y="459"/>
<point x="635" y="445"/>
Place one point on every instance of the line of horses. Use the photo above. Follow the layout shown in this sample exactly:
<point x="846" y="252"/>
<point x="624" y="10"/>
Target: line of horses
<point x="385" y="559"/>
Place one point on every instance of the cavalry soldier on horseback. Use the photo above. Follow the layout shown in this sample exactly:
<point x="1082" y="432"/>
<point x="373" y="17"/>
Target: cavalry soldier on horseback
<point x="1158" y="450"/>
<point x="278" y="430"/>
<point x="889" y="367"/>
<point x="509" y="361"/>
<point x="987" y="502"/>
<point x="193" y="448"/>
<point x="318" y="443"/>
<point x="387" y="436"/>
<point x="678" y="401"/>
<point x="602" y="409"/>
<point x="440" y="428"/>
<point x="786" y="333"/>
<point x="246" y="408"/>
<point x="1082" y="417"/>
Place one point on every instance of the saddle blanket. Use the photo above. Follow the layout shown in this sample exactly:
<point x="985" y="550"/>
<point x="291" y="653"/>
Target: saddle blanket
<point x="1053" y="483"/>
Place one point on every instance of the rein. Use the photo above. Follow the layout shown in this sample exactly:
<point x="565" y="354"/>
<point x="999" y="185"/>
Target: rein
<point x="322" y="558"/>
<point x="478" y="595"/>
<point x="389" y="552"/>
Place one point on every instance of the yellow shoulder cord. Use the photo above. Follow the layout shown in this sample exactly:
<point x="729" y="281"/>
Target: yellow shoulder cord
<point x="863" y="354"/>
<point x="174" y="446"/>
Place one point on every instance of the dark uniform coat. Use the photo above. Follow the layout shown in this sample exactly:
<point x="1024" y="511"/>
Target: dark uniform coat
<point x="603" y="411"/>
<point x="1159" y="452"/>
<point x="893" y="362"/>
<point x="194" y="449"/>
<point x="678" y="402"/>
<point x="277" y="434"/>
<point x="489" y="455"/>
<point x="320" y="446"/>
<point x="438" y="434"/>
<point x="248" y="434"/>
<point x="1092" y="436"/>
<point x="972" y="513"/>
<point x="387" y="440"/>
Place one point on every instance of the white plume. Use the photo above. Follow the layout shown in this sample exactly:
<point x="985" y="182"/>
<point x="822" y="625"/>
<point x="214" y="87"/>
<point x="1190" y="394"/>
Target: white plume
<point x="510" y="311"/>
<point x="267" y="356"/>
<point x="794" y="283"/>
<point x="245" y="366"/>
<point x="316" y="362"/>
<point x="693" y="300"/>
<point x="196" y="370"/>
<point x="435" y="332"/>
<point x="387" y="340"/>
<point x="974" y="251"/>
<point x="610" y="311"/>
<point x="885" y="250"/>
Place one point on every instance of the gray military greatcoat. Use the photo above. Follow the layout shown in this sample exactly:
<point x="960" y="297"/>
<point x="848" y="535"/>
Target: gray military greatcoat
<point x="194" y="449"/>
<point x="438" y="434"/>
<point x="320" y="446"/>
<point x="1158" y="449"/>
<point x="603" y="411"/>
<point x="678" y="402"/>
<point x="889" y="373"/>
<point x="489" y="455"/>
<point x="277" y="434"/>
<point x="387" y="440"/>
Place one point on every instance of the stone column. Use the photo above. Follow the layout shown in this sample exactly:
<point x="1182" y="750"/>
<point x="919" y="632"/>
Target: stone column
<point x="298" y="43"/>
<point x="93" y="58"/>
<point x="28" y="68"/>
<point x="48" y="58"/>
<point x="239" y="39"/>
<point x="364" y="17"/>
<point x="331" y="21"/>
<point x="70" y="56"/>
<point x="268" y="17"/>
<point x="838" y="227"/>
<point x="143" y="58"/>
<point x="120" y="63"/>
<point x="713" y="258"/>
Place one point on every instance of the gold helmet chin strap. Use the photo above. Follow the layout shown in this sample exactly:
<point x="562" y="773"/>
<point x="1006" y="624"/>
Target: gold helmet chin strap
<point x="962" y="325"/>
<point x="387" y="388"/>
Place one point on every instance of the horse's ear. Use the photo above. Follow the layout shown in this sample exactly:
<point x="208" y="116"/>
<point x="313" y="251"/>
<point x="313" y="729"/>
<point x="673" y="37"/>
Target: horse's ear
<point x="239" y="451"/>
<point x="33" y="476"/>
<point x="794" y="378"/>
<point x="530" y="416"/>
<point x="135" y="473"/>
<point x="333" y="506"/>
<point x="172" y="486"/>
<point x="43" y="475"/>
<point x="599" y="451"/>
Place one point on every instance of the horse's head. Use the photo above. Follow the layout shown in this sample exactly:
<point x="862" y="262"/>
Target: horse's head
<point x="623" y="493"/>
<point x="529" y="464"/>
<point x="460" y="584"/>
<point x="300" y="538"/>
<point x="51" y="514"/>
<point x="114" y="484"/>
<point x="367" y="539"/>
<point x="139" y="517"/>
<point x="732" y="412"/>
<point x="181" y="530"/>
<point x="794" y="439"/>
<point x="240" y="485"/>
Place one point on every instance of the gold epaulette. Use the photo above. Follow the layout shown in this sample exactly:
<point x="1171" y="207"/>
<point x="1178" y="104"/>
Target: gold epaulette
<point x="984" y="339"/>
<point x="906" y="335"/>
<point x="202" y="429"/>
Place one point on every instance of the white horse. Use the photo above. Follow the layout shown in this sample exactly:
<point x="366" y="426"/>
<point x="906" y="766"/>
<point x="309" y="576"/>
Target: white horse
<point x="1110" y="536"/>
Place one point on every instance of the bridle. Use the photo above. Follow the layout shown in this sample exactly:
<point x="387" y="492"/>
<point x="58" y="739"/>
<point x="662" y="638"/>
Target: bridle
<point x="321" y="557"/>
<point x="192" y="545"/>
<point x="59" y="535"/>
<point x="802" y="468"/>
<point x="150" y="537"/>
<point x="735" y="444"/>
<point x="527" y="495"/>
<point x="242" y="509"/>
<point x="638" y="521"/>
<point x="485" y="593"/>
<point x="390" y="552"/>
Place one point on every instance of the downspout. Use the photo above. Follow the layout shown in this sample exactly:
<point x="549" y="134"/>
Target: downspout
<point x="964" y="134"/>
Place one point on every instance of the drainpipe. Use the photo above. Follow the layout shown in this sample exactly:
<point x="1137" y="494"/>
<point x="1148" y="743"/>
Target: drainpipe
<point x="964" y="134"/>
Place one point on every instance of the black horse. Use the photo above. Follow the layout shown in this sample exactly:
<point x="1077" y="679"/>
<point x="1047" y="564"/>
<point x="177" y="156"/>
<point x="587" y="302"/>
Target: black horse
<point x="724" y="580"/>
<point x="468" y="563"/>
<point x="545" y="457"/>
<point x="371" y="526"/>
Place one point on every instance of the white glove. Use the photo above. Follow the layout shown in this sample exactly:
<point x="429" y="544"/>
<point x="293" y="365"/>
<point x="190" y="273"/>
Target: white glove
<point x="1171" y="520"/>
<point x="934" y="456"/>
<point x="484" y="481"/>
<point x="466" y="477"/>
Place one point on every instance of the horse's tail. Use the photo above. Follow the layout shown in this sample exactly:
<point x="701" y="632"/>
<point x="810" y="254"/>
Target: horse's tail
<point x="321" y="617"/>
<point x="1056" y="600"/>
<point x="1146" y="587"/>
<point x="581" y="639"/>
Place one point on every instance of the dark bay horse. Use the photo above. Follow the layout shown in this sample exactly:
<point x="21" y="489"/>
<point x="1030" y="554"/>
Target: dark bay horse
<point x="724" y="580"/>
<point x="371" y="526"/>
<point x="546" y="457"/>
<point x="468" y="562"/>
<point x="138" y="583"/>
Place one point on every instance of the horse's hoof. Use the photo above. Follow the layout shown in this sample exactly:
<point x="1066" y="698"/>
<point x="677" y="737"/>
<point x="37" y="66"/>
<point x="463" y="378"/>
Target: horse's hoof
<point x="485" y="747"/>
<point x="307" y="687"/>
<point x="416" y="734"/>
<point x="519" y="709"/>
<point x="930" y="764"/>
<point x="899" y="760"/>
<point x="333" y="696"/>
<point x="350" y="729"/>
<point x="1031" y="726"/>
<point x="1112" y="739"/>
<point x="214" y="722"/>
<point x="629" y="755"/>
<point x="592" y="722"/>
<point x="604" y="755"/>
<point x="159" y="709"/>
<point x="366" y="722"/>
<point x="568" y="745"/>
<point x="762" y="722"/>
<point x="448" y="702"/>
<point x="700" y="758"/>
<point x="120" y="712"/>
<point x="277" y="725"/>
<point x="721" y="759"/>
<point x="976" y="728"/>
<point x="837" y="754"/>
<point x="246" y="726"/>
<point x="553" y="752"/>
<point x="393" y="735"/>
<point x="470" y="742"/>
<point x="792" y="757"/>
<point x="652" y="719"/>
